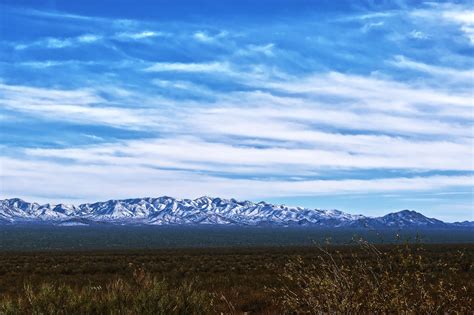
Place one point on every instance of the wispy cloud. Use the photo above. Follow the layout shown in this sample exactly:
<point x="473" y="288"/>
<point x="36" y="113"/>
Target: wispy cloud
<point x="372" y="25"/>
<point x="54" y="63"/>
<point x="82" y="106"/>
<point x="139" y="35"/>
<point x="210" y="37"/>
<point x="46" y="13"/>
<point x="121" y="182"/>
<point x="418" y="35"/>
<point x="267" y="50"/>
<point x="371" y="92"/>
<point x="465" y="75"/>
<point x="297" y="126"/>
<point x="459" y="15"/>
<point x="212" y="67"/>
<point x="88" y="38"/>
<point x="360" y="101"/>
<point x="465" y="19"/>
<point x="57" y="43"/>
<point x="324" y="151"/>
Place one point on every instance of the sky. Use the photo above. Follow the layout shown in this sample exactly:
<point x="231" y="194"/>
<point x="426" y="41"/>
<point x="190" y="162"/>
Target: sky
<point x="363" y="106"/>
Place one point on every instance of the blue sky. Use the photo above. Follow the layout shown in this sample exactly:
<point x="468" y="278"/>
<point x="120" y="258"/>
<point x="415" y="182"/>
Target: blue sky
<point x="365" y="106"/>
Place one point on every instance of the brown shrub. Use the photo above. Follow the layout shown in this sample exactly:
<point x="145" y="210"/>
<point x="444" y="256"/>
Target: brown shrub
<point x="398" y="281"/>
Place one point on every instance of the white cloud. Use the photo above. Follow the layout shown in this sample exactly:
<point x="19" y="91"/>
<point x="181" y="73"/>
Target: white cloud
<point x="373" y="25"/>
<point x="418" y="35"/>
<point x="299" y="127"/>
<point x="183" y="86"/>
<point x="32" y="179"/>
<point x="320" y="151"/>
<point x="466" y="75"/>
<point x="20" y="46"/>
<point x="51" y="14"/>
<point x="58" y="43"/>
<point x="316" y="114"/>
<point x="41" y="64"/>
<point x="461" y="16"/>
<point x="280" y="132"/>
<point x="267" y="50"/>
<point x="89" y="38"/>
<point x="465" y="19"/>
<point x="384" y="95"/>
<point x="54" y="63"/>
<point x="294" y="127"/>
<point x="218" y="67"/>
<point x="205" y="37"/>
<point x="469" y="31"/>
<point x="71" y="105"/>
<point x="139" y="35"/>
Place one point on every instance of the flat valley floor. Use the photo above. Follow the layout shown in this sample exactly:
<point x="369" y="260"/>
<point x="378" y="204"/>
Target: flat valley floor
<point x="239" y="278"/>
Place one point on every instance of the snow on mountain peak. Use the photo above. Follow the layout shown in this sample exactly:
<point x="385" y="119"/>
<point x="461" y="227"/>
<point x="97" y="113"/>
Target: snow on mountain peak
<point x="203" y="210"/>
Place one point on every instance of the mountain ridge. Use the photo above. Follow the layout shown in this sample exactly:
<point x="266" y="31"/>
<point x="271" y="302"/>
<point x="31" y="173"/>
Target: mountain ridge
<point x="205" y="211"/>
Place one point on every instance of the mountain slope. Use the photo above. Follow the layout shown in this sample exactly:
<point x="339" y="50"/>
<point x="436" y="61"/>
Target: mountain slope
<point x="202" y="211"/>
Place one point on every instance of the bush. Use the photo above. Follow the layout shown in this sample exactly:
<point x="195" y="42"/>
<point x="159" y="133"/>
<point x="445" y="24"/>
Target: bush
<point x="398" y="281"/>
<point x="361" y="279"/>
<point x="144" y="294"/>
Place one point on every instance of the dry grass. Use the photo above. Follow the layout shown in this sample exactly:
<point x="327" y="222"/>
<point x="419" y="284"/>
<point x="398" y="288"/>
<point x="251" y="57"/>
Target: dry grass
<point x="408" y="279"/>
<point x="144" y="294"/>
<point x="400" y="281"/>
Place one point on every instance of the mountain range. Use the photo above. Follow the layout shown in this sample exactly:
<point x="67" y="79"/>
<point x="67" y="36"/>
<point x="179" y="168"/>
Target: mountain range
<point x="205" y="211"/>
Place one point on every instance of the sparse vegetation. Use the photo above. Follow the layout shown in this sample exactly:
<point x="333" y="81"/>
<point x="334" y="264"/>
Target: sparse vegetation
<point x="142" y="294"/>
<point x="295" y="280"/>
<point x="403" y="281"/>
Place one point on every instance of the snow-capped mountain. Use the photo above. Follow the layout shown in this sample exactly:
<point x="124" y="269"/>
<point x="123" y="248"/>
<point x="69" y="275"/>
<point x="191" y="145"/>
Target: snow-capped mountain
<point x="204" y="210"/>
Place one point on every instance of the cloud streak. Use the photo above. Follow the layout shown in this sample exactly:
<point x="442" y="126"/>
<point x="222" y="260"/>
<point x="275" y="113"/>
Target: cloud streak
<point x="282" y="105"/>
<point x="131" y="181"/>
<point x="210" y="67"/>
